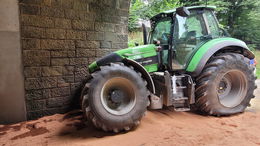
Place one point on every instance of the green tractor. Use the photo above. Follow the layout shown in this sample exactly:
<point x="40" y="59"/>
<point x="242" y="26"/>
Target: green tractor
<point x="187" y="62"/>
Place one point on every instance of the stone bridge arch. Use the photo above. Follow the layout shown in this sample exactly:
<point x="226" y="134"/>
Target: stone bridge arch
<point x="59" y="38"/>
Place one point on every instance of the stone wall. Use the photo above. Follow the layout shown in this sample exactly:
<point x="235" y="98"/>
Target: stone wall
<point x="59" y="39"/>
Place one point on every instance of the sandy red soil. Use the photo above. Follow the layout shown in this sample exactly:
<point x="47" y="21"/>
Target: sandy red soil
<point x="162" y="128"/>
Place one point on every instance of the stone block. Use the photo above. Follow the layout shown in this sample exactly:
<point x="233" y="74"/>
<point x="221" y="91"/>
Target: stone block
<point x="46" y="93"/>
<point x="80" y="73"/>
<point x="78" y="61"/>
<point x="55" y="102"/>
<point x="87" y="44"/>
<point x="105" y="44"/>
<point x="82" y="25"/>
<point x="121" y="38"/>
<point x="105" y="27"/>
<point x="52" y="12"/>
<point x="85" y="53"/>
<point x="33" y="95"/>
<point x="123" y="13"/>
<point x="66" y="79"/>
<point x="57" y="44"/>
<point x="35" y="20"/>
<point x="103" y="52"/>
<point x="62" y="23"/>
<point x="120" y="29"/>
<point x="59" y="53"/>
<point x="124" y="4"/>
<point x="32" y="32"/>
<point x="51" y="71"/>
<point x="68" y="4"/>
<point x="110" y="36"/>
<point x="30" y="9"/>
<point x="111" y="19"/>
<point x="35" y="105"/>
<point x="32" y="83"/>
<point x="55" y="33"/>
<point x="31" y="44"/>
<point x="59" y="61"/>
<point x="36" y="2"/>
<point x="76" y="35"/>
<point x="95" y="36"/>
<point x="62" y="83"/>
<point x="60" y="92"/>
<point x="36" y="58"/>
<point x="32" y="72"/>
<point x="67" y="70"/>
<point x="81" y="5"/>
<point x="71" y="54"/>
<point x="49" y="82"/>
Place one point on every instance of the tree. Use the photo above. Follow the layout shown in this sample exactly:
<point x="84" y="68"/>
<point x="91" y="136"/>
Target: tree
<point x="239" y="17"/>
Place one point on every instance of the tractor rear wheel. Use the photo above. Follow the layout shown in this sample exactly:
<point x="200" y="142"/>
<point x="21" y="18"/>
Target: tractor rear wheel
<point x="226" y="85"/>
<point x="115" y="99"/>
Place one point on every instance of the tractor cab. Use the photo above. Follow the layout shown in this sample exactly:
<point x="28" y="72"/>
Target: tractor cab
<point x="180" y="32"/>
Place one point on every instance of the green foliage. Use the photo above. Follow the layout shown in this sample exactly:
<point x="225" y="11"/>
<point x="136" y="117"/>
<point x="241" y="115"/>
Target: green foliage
<point x="156" y="6"/>
<point x="239" y="17"/>
<point x="140" y="10"/>
<point x="134" y="16"/>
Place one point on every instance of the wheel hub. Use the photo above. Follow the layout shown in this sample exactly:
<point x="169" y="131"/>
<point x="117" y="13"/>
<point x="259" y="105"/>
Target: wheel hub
<point x="232" y="88"/>
<point x="118" y="96"/>
<point x="224" y="87"/>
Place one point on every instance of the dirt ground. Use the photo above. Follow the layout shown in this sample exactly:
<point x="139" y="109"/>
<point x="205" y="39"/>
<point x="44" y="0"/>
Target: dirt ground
<point x="161" y="127"/>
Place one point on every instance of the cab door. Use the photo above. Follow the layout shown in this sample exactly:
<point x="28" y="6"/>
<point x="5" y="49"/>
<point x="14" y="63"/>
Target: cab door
<point x="189" y="33"/>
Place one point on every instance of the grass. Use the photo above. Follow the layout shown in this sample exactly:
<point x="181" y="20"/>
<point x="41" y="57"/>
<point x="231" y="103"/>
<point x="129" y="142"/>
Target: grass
<point x="257" y="57"/>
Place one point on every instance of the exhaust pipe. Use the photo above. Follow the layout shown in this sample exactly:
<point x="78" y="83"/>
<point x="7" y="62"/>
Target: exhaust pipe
<point x="144" y="34"/>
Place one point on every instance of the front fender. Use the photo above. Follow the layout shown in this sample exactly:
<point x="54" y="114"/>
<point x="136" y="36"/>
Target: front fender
<point x="110" y="58"/>
<point x="138" y="67"/>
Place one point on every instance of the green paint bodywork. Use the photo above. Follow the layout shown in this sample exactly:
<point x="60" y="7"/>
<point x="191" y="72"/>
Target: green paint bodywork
<point x="135" y="53"/>
<point x="138" y="52"/>
<point x="92" y="66"/>
<point x="203" y="49"/>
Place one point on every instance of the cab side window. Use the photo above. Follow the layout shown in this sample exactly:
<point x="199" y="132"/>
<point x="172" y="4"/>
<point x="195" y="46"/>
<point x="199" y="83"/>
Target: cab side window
<point x="189" y="32"/>
<point x="213" y="24"/>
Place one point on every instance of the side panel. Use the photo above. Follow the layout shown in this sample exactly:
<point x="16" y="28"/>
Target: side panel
<point x="146" y="55"/>
<point x="202" y="55"/>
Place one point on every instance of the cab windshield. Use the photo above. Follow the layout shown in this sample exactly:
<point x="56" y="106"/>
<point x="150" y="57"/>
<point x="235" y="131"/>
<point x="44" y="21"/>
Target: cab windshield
<point x="161" y="31"/>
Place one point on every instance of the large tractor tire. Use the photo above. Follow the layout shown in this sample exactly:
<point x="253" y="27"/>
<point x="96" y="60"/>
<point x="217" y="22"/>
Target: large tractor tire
<point x="226" y="85"/>
<point x="115" y="98"/>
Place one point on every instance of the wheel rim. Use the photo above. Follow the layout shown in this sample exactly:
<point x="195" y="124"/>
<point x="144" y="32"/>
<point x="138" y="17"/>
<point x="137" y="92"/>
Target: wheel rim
<point x="232" y="88"/>
<point x="118" y="96"/>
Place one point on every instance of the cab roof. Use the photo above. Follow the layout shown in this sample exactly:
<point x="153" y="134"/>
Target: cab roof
<point x="191" y="7"/>
<point x="170" y="12"/>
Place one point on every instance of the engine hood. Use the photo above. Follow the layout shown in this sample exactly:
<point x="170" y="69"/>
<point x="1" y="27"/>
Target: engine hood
<point x="144" y="54"/>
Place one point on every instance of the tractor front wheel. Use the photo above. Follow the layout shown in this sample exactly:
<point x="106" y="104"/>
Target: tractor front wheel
<point x="115" y="99"/>
<point x="226" y="85"/>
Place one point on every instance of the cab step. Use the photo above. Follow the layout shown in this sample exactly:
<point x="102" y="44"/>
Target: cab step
<point x="182" y="109"/>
